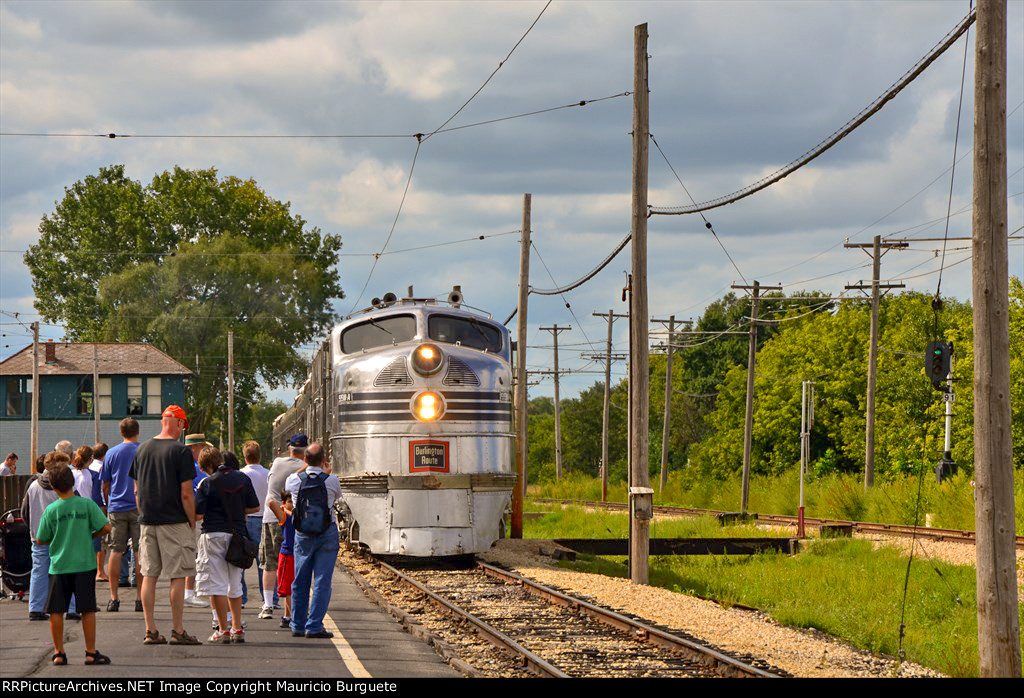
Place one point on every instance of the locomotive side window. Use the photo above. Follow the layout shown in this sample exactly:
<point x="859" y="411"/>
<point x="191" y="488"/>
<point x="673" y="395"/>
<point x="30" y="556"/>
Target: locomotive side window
<point x="470" y="332"/>
<point x="382" y="332"/>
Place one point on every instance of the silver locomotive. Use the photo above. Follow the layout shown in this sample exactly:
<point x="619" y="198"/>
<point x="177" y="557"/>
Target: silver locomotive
<point x="413" y="399"/>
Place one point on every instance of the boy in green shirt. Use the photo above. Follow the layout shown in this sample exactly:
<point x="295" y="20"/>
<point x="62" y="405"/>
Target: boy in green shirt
<point x="68" y="526"/>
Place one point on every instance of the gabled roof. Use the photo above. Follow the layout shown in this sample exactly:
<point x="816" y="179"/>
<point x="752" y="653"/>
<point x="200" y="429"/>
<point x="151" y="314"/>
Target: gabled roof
<point x="134" y="358"/>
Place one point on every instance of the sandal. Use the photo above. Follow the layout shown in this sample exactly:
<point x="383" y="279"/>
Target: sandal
<point x="61" y="656"/>
<point x="96" y="658"/>
<point x="153" y="637"/>
<point x="183" y="638"/>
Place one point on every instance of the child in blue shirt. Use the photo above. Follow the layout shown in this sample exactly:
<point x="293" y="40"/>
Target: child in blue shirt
<point x="286" y="558"/>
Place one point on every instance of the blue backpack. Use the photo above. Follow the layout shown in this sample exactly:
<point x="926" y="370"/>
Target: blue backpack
<point x="312" y="513"/>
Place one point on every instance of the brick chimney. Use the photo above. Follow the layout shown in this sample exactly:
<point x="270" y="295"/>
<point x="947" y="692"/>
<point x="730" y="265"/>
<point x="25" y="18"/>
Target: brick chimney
<point x="51" y="352"/>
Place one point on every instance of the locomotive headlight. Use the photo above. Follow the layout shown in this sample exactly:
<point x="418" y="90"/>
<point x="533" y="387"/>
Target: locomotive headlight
<point x="428" y="406"/>
<point x="427" y="359"/>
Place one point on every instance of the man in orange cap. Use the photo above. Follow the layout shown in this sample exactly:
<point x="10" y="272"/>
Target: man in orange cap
<point x="163" y="472"/>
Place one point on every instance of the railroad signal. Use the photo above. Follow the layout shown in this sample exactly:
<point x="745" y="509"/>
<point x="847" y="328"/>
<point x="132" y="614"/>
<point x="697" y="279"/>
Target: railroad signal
<point x="938" y="359"/>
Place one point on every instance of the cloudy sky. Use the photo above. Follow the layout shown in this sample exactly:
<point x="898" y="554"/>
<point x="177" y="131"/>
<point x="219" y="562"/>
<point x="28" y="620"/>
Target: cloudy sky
<point x="738" y="89"/>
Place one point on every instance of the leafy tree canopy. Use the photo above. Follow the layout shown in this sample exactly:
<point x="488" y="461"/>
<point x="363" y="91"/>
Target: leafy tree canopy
<point x="180" y="263"/>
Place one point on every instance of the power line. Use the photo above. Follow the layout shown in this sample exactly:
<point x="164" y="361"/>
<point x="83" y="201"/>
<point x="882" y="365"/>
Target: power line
<point x="394" y="223"/>
<point x="493" y="73"/>
<point x="837" y="136"/>
<point x="315" y="136"/>
<point x="707" y="223"/>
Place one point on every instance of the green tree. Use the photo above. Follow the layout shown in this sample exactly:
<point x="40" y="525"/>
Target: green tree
<point x="259" y="427"/>
<point x="180" y="263"/>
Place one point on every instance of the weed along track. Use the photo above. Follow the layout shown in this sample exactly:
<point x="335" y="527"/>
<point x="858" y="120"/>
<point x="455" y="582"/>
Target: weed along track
<point x="526" y="627"/>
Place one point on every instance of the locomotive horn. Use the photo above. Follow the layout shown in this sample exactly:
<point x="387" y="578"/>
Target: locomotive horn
<point x="389" y="299"/>
<point x="455" y="297"/>
<point x="375" y="302"/>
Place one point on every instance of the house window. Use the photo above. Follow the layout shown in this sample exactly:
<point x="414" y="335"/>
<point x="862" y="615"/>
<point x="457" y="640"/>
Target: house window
<point x="85" y="396"/>
<point x="134" y="395"/>
<point x="106" y="400"/>
<point x="153" y="395"/>
<point x="19" y="397"/>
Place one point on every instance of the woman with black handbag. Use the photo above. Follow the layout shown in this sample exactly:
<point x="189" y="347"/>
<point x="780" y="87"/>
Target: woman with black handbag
<point x="222" y="502"/>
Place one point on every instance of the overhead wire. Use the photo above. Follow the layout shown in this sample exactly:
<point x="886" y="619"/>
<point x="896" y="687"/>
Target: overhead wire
<point x="707" y="223"/>
<point x="833" y="139"/>
<point x="493" y="73"/>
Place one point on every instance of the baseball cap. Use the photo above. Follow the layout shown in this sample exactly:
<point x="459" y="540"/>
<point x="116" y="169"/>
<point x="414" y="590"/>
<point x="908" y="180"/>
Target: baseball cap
<point x="176" y="412"/>
<point x="298" y="440"/>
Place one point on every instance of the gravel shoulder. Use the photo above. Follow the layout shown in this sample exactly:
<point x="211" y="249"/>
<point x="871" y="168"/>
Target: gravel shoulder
<point x="803" y="653"/>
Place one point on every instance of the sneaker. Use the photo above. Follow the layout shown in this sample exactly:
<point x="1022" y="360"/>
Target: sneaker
<point x="219" y="638"/>
<point x="123" y="583"/>
<point x="238" y="636"/>
<point x="286" y="622"/>
<point x="72" y="616"/>
<point x="138" y="605"/>
<point x="197" y="602"/>
<point x="38" y="615"/>
<point x="183" y="638"/>
<point x="266" y="613"/>
<point x="322" y="634"/>
<point x="114" y="605"/>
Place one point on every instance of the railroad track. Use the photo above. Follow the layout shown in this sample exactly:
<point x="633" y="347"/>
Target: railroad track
<point x="552" y="634"/>
<point x="937" y="534"/>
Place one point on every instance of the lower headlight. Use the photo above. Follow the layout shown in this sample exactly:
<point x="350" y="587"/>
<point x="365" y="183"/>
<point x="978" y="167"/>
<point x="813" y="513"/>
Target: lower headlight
<point x="428" y="406"/>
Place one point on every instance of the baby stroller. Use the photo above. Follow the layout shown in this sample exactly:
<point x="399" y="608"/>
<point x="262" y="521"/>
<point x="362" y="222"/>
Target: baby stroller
<point x="15" y="554"/>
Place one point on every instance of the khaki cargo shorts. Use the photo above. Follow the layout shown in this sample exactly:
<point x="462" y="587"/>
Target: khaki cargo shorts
<point x="124" y="524"/>
<point x="270" y="546"/>
<point x="168" y="550"/>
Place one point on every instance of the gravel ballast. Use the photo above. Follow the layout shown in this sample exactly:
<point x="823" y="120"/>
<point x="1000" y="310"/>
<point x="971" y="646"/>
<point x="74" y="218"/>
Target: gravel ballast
<point x="803" y="653"/>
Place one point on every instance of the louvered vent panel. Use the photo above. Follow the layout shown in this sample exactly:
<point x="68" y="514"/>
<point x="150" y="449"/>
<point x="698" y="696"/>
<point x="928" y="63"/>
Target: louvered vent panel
<point x="459" y="373"/>
<point x="395" y="373"/>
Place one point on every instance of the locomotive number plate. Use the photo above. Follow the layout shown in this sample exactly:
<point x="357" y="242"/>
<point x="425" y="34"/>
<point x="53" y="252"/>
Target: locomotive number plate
<point x="428" y="456"/>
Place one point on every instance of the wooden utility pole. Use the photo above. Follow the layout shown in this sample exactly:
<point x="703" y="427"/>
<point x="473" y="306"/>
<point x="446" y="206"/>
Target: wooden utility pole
<point x="519" y="492"/>
<point x="231" y="390"/>
<point x="35" y="397"/>
<point x="640" y="494"/>
<point x="606" y="418"/>
<point x="878" y="250"/>
<point x="748" y="424"/>
<point x="667" y="422"/>
<point x="554" y="330"/>
<point x="96" y="391"/>
<point x="998" y="623"/>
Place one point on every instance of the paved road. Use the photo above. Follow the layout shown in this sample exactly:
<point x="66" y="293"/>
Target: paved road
<point x="367" y="643"/>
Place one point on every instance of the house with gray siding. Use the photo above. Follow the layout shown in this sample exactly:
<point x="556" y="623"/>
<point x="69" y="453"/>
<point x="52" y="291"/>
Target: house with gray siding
<point x="135" y="380"/>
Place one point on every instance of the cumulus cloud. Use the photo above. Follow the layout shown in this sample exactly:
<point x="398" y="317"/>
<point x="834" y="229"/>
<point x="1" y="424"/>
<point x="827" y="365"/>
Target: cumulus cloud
<point x="737" y="90"/>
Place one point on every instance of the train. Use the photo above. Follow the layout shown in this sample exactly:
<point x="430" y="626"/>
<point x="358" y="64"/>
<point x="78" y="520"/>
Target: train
<point x="412" y="400"/>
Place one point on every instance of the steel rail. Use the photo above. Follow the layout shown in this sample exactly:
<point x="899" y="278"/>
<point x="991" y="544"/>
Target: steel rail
<point x="721" y="663"/>
<point x="497" y="638"/>
<point x="937" y="534"/>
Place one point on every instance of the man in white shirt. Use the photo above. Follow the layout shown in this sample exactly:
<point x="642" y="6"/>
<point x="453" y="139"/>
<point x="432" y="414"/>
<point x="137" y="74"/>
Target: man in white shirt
<point x="258" y="475"/>
<point x="270" y="540"/>
<point x="315" y="552"/>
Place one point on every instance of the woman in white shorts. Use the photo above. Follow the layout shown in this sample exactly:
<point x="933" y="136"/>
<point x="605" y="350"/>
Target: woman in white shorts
<point x="222" y="502"/>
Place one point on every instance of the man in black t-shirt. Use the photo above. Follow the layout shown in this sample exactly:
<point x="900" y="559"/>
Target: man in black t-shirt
<point x="163" y="470"/>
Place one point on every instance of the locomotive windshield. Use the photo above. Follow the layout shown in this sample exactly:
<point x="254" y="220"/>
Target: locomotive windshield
<point x="469" y="332"/>
<point x="380" y="332"/>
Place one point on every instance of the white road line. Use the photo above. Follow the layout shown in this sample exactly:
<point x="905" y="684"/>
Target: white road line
<point x="348" y="655"/>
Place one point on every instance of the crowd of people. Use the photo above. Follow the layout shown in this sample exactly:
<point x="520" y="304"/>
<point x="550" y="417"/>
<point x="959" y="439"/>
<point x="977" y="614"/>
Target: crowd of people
<point x="187" y="512"/>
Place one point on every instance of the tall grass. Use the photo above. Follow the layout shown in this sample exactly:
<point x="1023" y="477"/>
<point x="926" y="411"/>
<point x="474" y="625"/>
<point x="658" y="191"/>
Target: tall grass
<point x="835" y="496"/>
<point x="842" y="587"/>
